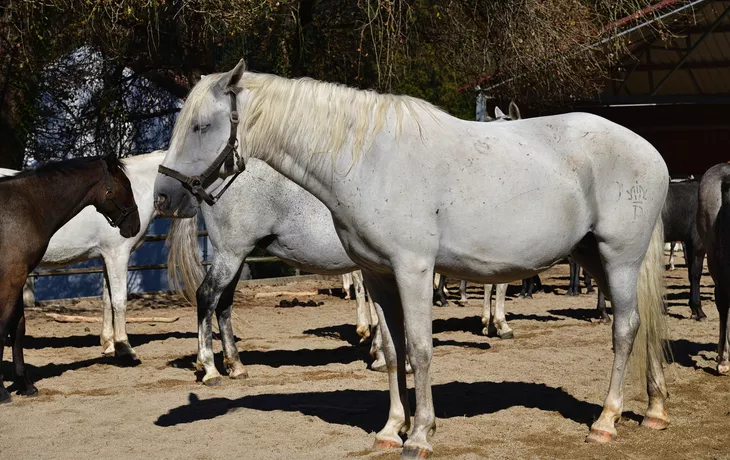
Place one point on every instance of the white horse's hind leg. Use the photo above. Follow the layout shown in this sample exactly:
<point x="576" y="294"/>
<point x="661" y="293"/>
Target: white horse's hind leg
<point x="500" y="321"/>
<point x="623" y="288"/>
<point x="636" y="297"/>
<point x="364" y="320"/>
<point x="384" y="291"/>
<point x="116" y="273"/>
<point x="413" y="280"/>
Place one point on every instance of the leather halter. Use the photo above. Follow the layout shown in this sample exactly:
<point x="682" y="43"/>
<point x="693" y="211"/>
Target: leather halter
<point x="111" y="196"/>
<point x="228" y="157"/>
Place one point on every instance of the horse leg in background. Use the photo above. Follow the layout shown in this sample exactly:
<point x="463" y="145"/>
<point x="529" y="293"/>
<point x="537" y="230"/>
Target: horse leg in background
<point x="500" y="321"/>
<point x="671" y="254"/>
<point x="412" y="275"/>
<point x="462" y="290"/>
<point x="588" y="280"/>
<point x="535" y="284"/>
<point x="11" y="286"/>
<point x="523" y="291"/>
<point x="722" y="301"/>
<point x="487" y="310"/>
<point x="29" y="292"/>
<point x="216" y="293"/>
<point x="347" y="284"/>
<point x="17" y="335"/>
<point x="694" y="258"/>
<point x="441" y="292"/>
<point x="364" y="320"/>
<point x="115" y="271"/>
<point x="384" y="290"/>
<point x="601" y="307"/>
<point x="528" y="285"/>
<point x="223" y="311"/>
<point x="574" y="285"/>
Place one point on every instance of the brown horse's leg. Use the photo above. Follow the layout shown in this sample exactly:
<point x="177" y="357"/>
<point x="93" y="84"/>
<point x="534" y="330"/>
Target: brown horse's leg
<point x="17" y="334"/>
<point x="6" y="315"/>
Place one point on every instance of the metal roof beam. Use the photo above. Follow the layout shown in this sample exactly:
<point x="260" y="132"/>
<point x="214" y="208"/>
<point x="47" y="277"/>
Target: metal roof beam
<point x="689" y="52"/>
<point x="699" y="65"/>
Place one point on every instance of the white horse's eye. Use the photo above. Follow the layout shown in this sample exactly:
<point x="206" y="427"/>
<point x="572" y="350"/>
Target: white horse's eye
<point x="201" y="128"/>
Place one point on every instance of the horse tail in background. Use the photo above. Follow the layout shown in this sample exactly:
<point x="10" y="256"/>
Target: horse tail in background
<point x="184" y="268"/>
<point x="650" y="345"/>
<point x="29" y="292"/>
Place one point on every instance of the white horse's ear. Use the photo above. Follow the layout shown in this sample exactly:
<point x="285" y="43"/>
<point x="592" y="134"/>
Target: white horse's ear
<point x="498" y="113"/>
<point x="514" y="111"/>
<point x="234" y="76"/>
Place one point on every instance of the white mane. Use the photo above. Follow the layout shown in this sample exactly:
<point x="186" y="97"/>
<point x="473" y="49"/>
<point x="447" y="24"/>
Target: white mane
<point x="305" y="115"/>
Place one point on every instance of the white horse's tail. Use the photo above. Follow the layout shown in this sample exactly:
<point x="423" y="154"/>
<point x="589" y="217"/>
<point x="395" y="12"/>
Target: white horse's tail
<point x="650" y="344"/>
<point x="184" y="268"/>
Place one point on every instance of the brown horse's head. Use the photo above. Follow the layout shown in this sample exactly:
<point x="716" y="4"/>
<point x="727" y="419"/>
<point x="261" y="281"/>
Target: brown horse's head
<point x="115" y="198"/>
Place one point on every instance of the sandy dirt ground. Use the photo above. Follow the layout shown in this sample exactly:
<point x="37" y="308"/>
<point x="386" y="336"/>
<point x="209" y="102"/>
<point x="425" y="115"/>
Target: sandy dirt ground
<point x="310" y="396"/>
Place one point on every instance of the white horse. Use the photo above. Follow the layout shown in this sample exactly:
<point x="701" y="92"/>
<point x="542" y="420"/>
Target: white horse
<point x="584" y="186"/>
<point x="88" y="236"/>
<point x="280" y="217"/>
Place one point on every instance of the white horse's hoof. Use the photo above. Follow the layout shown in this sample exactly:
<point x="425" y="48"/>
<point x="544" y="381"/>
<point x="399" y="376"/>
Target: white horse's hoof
<point x="600" y="436"/>
<point x="506" y="335"/>
<point x="363" y="332"/>
<point x="236" y="370"/>
<point x="107" y="348"/>
<point x="379" y="365"/>
<point x="124" y="353"/>
<point x="723" y="367"/>
<point x="212" y="381"/>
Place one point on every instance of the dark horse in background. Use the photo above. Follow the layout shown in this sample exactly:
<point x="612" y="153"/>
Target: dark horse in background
<point x="680" y="224"/>
<point x="35" y="204"/>
<point x="713" y="225"/>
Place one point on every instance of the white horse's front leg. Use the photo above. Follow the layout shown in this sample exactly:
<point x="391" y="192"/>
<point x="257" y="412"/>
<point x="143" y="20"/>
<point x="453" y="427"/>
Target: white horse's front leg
<point x="107" y="321"/>
<point x="500" y="321"/>
<point x="413" y="278"/>
<point x="384" y="291"/>
<point x="215" y="293"/>
<point x="116" y="273"/>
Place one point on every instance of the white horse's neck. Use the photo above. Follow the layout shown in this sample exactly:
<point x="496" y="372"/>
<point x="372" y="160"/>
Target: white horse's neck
<point x="142" y="171"/>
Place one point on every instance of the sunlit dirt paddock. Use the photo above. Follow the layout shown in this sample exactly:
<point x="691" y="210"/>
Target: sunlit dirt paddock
<point x="310" y="396"/>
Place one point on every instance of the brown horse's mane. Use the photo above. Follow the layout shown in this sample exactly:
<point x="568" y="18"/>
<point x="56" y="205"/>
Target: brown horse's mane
<point x="62" y="166"/>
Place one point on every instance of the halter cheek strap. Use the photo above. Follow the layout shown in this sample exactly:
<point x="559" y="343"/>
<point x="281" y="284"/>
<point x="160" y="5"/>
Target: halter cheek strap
<point x="110" y="196"/>
<point x="228" y="157"/>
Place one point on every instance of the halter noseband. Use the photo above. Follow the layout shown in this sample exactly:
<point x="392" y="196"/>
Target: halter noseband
<point x="111" y="196"/>
<point x="196" y="185"/>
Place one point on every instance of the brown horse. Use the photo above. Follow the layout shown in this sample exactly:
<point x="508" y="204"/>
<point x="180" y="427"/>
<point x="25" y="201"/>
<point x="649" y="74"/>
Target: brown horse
<point x="34" y="205"/>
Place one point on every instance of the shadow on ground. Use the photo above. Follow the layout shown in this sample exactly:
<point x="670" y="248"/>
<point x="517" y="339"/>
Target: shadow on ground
<point x="368" y="409"/>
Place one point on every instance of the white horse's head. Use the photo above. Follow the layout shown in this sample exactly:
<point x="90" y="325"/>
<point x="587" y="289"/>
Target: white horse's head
<point x="204" y="146"/>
